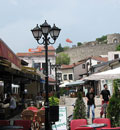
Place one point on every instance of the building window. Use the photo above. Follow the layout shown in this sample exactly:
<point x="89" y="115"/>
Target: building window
<point x="70" y="77"/>
<point x="65" y="77"/>
<point x="116" y="56"/>
<point x="83" y="66"/>
<point x="98" y="62"/>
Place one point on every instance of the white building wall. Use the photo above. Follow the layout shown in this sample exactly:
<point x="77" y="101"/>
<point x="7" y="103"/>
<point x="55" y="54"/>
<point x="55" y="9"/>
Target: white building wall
<point x="41" y="59"/>
<point x="112" y="53"/>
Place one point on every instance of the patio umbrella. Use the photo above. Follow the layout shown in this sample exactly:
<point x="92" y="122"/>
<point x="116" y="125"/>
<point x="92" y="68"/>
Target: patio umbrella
<point x="109" y="75"/>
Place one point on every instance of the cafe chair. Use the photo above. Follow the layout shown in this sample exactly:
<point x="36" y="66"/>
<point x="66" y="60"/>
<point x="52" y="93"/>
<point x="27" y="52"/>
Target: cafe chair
<point x="84" y="128"/>
<point x="25" y="123"/>
<point x="40" y="118"/>
<point x="115" y="128"/>
<point x="28" y="115"/>
<point x="77" y="123"/>
<point x="4" y="122"/>
<point x="102" y="120"/>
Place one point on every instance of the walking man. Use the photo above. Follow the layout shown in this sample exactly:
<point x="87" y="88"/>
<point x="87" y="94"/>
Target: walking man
<point x="105" y="96"/>
<point x="90" y="103"/>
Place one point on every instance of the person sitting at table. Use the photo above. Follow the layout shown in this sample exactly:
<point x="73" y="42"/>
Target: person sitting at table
<point x="7" y="100"/>
<point x="12" y="102"/>
<point x="38" y="97"/>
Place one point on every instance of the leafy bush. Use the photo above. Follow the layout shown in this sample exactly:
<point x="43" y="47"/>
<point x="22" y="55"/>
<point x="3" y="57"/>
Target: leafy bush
<point x="80" y="108"/>
<point x="63" y="91"/>
<point x="102" y="39"/>
<point x="118" y="48"/>
<point x="113" y="110"/>
<point x="53" y="101"/>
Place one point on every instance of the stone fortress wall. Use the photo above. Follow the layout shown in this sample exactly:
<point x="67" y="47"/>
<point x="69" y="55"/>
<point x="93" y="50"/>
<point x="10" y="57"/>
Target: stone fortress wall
<point x="93" y="48"/>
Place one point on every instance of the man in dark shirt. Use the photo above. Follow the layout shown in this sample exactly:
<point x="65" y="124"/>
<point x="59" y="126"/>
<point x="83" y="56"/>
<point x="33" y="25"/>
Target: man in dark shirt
<point x="105" y="96"/>
<point x="90" y="102"/>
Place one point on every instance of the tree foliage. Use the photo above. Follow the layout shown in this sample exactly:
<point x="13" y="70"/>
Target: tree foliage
<point x="118" y="48"/>
<point x="102" y="39"/>
<point x="63" y="58"/>
<point x="59" y="49"/>
<point x="80" y="108"/>
<point x="66" y="48"/>
<point x="113" y="110"/>
<point x="79" y="43"/>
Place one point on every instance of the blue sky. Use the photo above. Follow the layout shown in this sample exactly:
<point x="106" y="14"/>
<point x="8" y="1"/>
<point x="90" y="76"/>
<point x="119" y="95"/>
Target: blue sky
<point x="80" y="20"/>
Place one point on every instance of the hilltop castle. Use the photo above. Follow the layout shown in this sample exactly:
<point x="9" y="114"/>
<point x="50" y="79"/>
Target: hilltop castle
<point x="94" y="48"/>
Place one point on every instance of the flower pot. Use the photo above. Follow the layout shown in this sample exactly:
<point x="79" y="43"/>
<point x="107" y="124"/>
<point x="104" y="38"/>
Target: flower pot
<point x="54" y="113"/>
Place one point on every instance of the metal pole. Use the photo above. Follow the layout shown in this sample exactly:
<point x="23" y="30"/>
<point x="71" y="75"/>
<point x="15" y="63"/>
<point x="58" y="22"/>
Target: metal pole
<point x="47" y="124"/>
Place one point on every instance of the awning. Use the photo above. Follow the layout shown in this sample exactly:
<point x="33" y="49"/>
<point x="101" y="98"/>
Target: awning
<point x="75" y="83"/>
<point x="109" y="74"/>
<point x="63" y="84"/>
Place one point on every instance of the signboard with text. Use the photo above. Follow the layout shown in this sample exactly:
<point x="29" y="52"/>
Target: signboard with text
<point x="62" y="123"/>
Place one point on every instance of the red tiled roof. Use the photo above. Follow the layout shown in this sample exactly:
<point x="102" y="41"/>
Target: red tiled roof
<point x="50" y="48"/>
<point x="35" y="54"/>
<point x="67" y="66"/>
<point x="102" y="59"/>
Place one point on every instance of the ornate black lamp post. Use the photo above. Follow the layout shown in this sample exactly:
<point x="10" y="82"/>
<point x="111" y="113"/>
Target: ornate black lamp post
<point x="43" y="31"/>
<point x="56" y="67"/>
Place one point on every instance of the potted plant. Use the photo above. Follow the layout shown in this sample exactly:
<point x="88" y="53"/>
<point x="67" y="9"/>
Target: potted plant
<point x="54" y="109"/>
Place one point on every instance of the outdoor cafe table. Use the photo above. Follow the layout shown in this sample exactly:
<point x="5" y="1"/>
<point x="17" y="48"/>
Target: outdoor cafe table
<point x="94" y="125"/>
<point x="11" y="127"/>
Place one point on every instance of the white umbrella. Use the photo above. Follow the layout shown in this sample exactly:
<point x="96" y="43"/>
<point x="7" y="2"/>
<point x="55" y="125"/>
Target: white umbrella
<point x="109" y="74"/>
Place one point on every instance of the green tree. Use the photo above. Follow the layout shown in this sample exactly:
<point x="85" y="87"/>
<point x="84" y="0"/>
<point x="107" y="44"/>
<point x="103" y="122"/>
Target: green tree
<point x="66" y="48"/>
<point x="102" y="39"/>
<point x="118" y="48"/>
<point x="59" y="48"/>
<point x="63" y="59"/>
<point x="113" y="110"/>
<point x="80" y="108"/>
<point x="79" y="44"/>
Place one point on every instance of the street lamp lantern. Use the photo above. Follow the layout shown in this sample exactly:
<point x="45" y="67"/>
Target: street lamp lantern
<point x="37" y="32"/>
<point x="54" y="32"/>
<point x="45" y="28"/>
<point x="42" y="32"/>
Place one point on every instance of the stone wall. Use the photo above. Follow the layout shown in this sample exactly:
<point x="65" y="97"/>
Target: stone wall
<point x="113" y="38"/>
<point x="85" y="51"/>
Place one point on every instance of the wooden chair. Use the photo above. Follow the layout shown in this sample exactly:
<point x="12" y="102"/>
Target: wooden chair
<point x="77" y="122"/>
<point x="40" y="118"/>
<point x="29" y="115"/>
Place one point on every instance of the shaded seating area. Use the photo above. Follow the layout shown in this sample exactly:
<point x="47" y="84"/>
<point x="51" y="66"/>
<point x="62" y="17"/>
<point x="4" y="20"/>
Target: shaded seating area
<point x="35" y="116"/>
